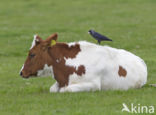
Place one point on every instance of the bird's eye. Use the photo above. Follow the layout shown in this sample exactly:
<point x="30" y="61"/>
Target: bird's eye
<point x="32" y="55"/>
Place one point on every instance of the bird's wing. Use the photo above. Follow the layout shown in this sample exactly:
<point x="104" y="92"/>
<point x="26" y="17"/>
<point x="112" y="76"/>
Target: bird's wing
<point x="101" y="37"/>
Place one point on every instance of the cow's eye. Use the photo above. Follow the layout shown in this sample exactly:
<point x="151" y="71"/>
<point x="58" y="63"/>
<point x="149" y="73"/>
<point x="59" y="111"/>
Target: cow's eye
<point x="32" y="55"/>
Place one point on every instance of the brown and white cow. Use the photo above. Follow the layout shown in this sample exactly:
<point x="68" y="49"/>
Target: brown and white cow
<point x="84" y="66"/>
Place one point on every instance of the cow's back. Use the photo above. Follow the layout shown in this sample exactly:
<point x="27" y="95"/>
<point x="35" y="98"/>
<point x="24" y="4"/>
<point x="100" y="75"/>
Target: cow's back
<point x="116" y="69"/>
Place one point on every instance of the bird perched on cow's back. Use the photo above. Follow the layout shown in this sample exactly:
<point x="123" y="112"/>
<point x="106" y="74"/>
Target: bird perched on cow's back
<point x="98" y="36"/>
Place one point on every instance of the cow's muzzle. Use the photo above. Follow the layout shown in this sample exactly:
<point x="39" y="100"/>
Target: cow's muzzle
<point x="22" y="75"/>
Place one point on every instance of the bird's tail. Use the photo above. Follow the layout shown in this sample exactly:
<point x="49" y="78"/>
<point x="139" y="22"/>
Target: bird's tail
<point x="106" y="39"/>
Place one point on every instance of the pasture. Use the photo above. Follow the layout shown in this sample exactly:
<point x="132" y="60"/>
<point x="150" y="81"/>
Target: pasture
<point x="130" y="23"/>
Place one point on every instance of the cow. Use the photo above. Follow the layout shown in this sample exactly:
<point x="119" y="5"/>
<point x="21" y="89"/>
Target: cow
<point x="83" y="66"/>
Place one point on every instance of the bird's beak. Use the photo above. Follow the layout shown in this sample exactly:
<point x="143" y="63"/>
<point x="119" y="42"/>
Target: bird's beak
<point x="88" y="32"/>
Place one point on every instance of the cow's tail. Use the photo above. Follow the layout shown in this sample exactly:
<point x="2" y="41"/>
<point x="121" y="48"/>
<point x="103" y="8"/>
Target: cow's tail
<point x="153" y="85"/>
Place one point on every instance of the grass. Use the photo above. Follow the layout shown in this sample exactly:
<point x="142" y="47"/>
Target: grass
<point x="131" y="24"/>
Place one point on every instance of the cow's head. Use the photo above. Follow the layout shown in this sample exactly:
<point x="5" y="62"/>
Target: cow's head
<point x="38" y="56"/>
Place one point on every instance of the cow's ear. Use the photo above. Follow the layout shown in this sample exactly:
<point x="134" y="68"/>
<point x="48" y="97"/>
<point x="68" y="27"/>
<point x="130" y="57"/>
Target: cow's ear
<point x="51" y="40"/>
<point x="37" y="39"/>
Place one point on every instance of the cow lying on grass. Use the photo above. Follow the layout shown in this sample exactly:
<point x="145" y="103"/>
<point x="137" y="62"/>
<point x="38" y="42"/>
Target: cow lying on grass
<point x="84" y="66"/>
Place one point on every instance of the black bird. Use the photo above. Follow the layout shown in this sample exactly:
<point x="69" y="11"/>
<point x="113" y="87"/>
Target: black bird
<point x="98" y="36"/>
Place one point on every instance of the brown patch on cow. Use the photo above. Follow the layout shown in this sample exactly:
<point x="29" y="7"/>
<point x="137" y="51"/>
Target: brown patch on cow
<point x="62" y="72"/>
<point x="122" y="72"/>
<point x="61" y="50"/>
<point x="47" y="54"/>
<point x="81" y="70"/>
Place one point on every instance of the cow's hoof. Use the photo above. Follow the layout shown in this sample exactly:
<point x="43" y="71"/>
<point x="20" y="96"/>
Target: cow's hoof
<point x="62" y="90"/>
<point x="65" y="89"/>
<point x="53" y="89"/>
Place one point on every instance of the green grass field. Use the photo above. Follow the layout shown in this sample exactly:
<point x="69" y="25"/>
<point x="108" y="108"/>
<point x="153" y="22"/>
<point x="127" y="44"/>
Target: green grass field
<point x="130" y="23"/>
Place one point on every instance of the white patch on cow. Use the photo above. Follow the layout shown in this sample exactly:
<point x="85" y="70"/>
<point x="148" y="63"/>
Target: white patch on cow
<point x="21" y="68"/>
<point x="71" y="44"/>
<point x="58" y="60"/>
<point x="47" y="71"/>
<point x="65" y="58"/>
<point x="101" y="67"/>
<point x="34" y="41"/>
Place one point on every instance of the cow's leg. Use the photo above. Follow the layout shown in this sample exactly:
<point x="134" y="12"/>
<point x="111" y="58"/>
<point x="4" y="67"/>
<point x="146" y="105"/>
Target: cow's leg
<point x="86" y="86"/>
<point x="54" y="87"/>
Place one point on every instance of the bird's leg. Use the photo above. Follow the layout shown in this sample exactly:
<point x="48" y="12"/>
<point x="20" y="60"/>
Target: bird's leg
<point x="99" y="41"/>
